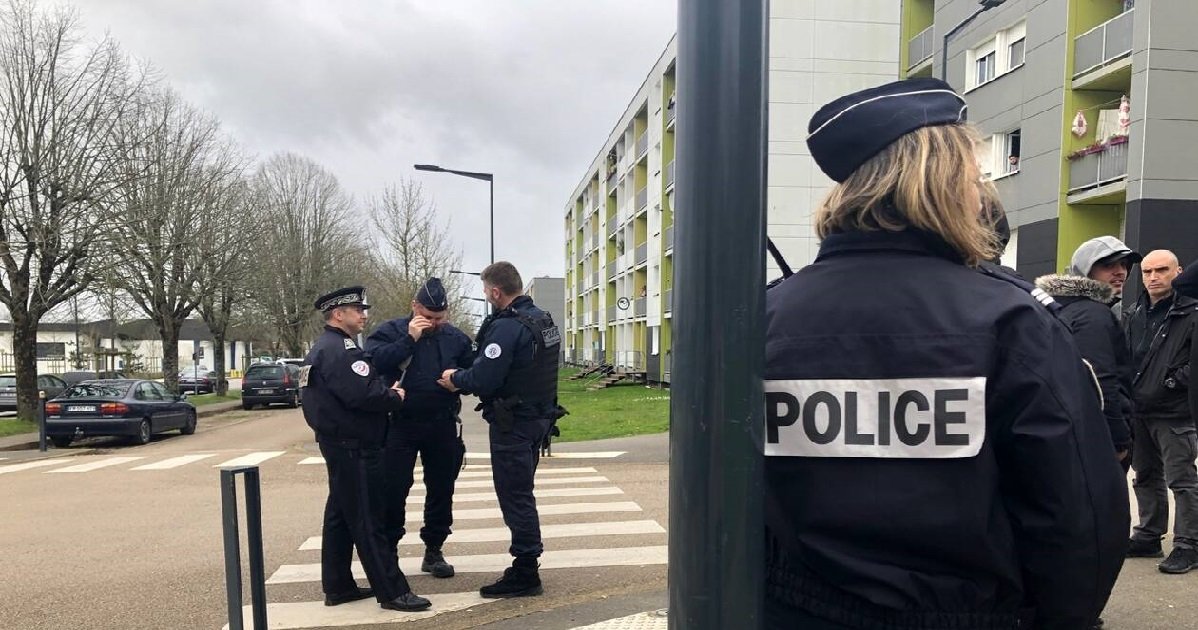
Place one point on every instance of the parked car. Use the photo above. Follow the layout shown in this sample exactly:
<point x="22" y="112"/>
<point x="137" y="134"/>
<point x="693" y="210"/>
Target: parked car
<point x="266" y="383"/>
<point x="73" y="378"/>
<point x="52" y="385"/>
<point x="286" y="361"/>
<point x="197" y="381"/>
<point x="129" y="407"/>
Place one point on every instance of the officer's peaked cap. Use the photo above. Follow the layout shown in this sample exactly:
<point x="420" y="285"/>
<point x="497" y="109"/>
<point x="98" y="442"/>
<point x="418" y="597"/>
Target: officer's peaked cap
<point x="850" y="130"/>
<point x="349" y="296"/>
<point x="432" y="295"/>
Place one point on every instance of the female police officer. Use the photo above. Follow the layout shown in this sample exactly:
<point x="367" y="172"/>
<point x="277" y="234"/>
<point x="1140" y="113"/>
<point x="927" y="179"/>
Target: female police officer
<point x="936" y="451"/>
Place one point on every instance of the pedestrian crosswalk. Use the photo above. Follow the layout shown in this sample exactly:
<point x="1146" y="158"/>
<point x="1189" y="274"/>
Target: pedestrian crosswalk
<point x="588" y="523"/>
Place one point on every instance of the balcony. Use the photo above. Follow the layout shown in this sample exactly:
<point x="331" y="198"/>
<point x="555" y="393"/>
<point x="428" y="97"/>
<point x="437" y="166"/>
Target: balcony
<point x="920" y="48"/>
<point x="669" y="238"/>
<point x="669" y="300"/>
<point x="611" y="314"/>
<point x="671" y="112"/>
<point x="642" y="253"/>
<point x="595" y="278"/>
<point x="595" y="317"/>
<point x="595" y="240"/>
<point x="1097" y="170"/>
<point x="612" y="178"/>
<point x="638" y="307"/>
<point x="642" y="146"/>
<point x="613" y="226"/>
<point x="670" y="176"/>
<point x="612" y="270"/>
<point x="642" y="198"/>
<point x="1103" y="44"/>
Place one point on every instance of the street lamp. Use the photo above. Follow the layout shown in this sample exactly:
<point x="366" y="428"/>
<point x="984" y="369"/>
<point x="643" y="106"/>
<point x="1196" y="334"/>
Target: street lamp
<point x="983" y="6"/>
<point x="486" y="177"/>
<point x="479" y="275"/>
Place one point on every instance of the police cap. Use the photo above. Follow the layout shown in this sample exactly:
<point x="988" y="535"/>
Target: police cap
<point x="850" y="130"/>
<point x="432" y="295"/>
<point x="349" y="296"/>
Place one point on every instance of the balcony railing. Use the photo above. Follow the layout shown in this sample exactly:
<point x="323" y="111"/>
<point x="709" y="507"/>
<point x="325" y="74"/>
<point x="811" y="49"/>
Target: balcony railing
<point x="669" y="300"/>
<point x="613" y="226"/>
<point x="595" y="278"/>
<point x="595" y="317"/>
<point x="642" y="253"/>
<point x="611" y="182"/>
<point x="642" y="199"/>
<point x="921" y="47"/>
<point x="612" y="270"/>
<point x="611" y="313"/>
<point x="595" y="239"/>
<point x="670" y="174"/>
<point x="1103" y="44"/>
<point x="1099" y="167"/>
<point x="642" y="145"/>
<point x="638" y="307"/>
<point x="669" y="237"/>
<point x="671" y="111"/>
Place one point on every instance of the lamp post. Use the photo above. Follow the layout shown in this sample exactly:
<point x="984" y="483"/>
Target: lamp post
<point x="487" y="305"/>
<point x="984" y="6"/>
<point x="486" y="177"/>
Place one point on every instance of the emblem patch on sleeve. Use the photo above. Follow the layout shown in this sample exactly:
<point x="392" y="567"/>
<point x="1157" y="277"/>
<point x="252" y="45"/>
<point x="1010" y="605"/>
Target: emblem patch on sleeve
<point x="350" y="345"/>
<point x="361" y="368"/>
<point x="492" y="351"/>
<point x="912" y="418"/>
<point x="303" y="375"/>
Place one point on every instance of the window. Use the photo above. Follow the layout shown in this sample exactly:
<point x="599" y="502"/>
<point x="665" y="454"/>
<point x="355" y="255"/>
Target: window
<point x="1015" y="53"/>
<point x="985" y="69"/>
<point x="51" y="351"/>
<point x="1000" y="54"/>
<point x="999" y="154"/>
<point x="1011" y="147"/>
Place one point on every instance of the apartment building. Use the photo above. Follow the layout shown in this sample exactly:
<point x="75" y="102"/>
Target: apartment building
<point x="1087" y="110"/>
<point x="619" y="220"/>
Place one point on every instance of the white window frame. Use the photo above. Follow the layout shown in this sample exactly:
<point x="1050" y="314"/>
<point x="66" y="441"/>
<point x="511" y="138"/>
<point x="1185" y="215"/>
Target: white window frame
<point x="998" y="45"/>
<point x="994" y="152"/>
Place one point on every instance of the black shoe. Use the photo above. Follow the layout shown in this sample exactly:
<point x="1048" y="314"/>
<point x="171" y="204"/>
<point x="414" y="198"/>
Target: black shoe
<point x="1144" y="549"/>
<point x="519" y="580"/>
<point x="1181" y="560"/>
<point x="408" y="602"/>
<point x="1097" y="624"/>
<point x="336" y="599"/>
<point x="435" y="563"/>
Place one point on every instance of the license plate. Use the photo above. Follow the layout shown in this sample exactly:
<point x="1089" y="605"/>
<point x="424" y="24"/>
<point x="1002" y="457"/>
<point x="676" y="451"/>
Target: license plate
<point x="266" y="391"/>
<point x="81" y="408"/>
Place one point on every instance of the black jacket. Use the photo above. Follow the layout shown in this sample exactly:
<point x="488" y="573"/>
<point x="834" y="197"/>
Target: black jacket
<point x="344" y="398"/>
<point x="1187" y="282"/>
<point x="1164" y="386"/>
<point x="1085" y="309"/>
<point x="936" y="454"/>
<point x="390" y="347"/>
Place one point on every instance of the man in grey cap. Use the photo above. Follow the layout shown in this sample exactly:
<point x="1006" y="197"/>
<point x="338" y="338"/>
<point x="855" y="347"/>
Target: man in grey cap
<point x="1105" y="259"/>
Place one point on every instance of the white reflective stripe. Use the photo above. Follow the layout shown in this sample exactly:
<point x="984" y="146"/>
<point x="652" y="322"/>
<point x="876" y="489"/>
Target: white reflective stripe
<point x="1097" y="385"/>
<point x="913" y="418"/>
<point x="867" y="101"/>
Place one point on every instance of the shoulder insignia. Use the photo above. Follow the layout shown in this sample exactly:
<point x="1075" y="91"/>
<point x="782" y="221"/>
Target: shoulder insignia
<point x="361" y="368"/>
<point x="350" y="345"/>
<point x="492" y="351"/>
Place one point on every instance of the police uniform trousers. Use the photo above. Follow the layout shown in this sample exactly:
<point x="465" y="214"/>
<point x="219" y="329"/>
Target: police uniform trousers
<point x="436" y="439"/>
<point x="514" y="458"/>
<point x="353" y="517"/>
<point x="1164" y="452"/>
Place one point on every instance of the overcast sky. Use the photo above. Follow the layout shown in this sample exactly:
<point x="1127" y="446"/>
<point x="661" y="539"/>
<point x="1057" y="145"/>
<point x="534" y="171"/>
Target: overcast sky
<point x="526" y="89"/>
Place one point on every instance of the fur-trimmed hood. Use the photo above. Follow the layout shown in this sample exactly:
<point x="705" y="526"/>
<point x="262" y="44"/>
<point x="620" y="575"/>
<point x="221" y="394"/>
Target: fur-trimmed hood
<point x="1076" y="286"/>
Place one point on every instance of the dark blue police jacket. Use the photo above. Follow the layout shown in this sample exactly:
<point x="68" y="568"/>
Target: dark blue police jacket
<point x="936" y="449"/>
<point x="344" y="399"/>
<point x="447" y="348"/>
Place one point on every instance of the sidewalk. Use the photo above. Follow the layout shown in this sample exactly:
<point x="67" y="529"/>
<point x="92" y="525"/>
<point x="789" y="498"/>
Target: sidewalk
<point x="26" y="444"/>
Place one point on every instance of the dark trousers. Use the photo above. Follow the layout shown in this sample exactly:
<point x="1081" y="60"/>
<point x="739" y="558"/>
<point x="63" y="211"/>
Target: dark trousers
<point x="782" y="616"/>
<point x="514" y="458"/>
<point x="1164" y="457"/>
<point x="441" y="450"/>
<point x="353" y="517"/>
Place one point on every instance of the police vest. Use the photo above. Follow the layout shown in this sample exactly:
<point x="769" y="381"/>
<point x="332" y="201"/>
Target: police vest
<point x="536" y="382"/>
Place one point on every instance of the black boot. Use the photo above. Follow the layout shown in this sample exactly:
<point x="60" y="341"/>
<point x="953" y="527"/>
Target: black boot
<point x="519" y="580"/>
<point x="435" y="563"/>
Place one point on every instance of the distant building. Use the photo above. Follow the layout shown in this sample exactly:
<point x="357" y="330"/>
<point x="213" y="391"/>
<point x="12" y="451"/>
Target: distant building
<point x="549" y="293"/>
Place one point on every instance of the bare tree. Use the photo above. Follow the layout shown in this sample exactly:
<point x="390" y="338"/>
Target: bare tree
<point x="60" y="106"/>
<point x="412" y="247"/>
<point x="225" y="274"/>
<point x="309" y="245"/>
<point x="173" y="213"/>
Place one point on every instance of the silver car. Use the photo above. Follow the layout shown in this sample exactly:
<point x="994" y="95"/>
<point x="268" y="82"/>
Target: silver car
<point x="52" y="385"/>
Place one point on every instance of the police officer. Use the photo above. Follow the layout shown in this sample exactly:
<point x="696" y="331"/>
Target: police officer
<point x="515" y="375"/>
<point x="415" y="350"/>
<point x="346" y="404"/>
<point x="936" y="455"/>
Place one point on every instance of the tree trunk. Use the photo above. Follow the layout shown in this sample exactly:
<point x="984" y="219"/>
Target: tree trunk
<point x="24" y="350"/>
<point x="218" y="363"/>
<point x="169" y="332"/>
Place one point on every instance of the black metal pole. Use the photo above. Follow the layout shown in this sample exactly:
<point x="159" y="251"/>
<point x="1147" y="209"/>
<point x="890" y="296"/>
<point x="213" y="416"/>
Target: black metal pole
<point x="986" y="6"/>
<point x="716" y="411"/>
<point x="228" y="499"/>
<point x="253" y="535"/>
<point x="492" y="183"/>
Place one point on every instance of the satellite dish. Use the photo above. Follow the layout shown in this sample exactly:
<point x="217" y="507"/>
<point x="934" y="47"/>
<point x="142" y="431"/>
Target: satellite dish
<point x="623" y="303"/>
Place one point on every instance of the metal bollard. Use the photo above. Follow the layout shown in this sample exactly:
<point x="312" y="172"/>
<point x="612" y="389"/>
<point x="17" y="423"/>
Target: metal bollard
<point x="41" y="421"/>
<point x="253" y="530"/>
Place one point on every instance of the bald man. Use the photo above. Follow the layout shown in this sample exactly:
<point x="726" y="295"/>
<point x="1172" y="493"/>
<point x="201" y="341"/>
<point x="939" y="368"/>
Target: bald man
<point x="1162" y="330"/>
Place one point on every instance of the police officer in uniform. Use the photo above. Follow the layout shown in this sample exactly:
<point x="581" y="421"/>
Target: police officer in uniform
<point x="936" y="455"/>
<point x="346" y="404"/>
<point x="515" y="375"/>
<point x="414" y="351"/>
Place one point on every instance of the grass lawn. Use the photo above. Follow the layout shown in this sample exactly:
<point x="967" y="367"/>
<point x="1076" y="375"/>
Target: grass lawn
<point x="208" y="399"/>
<point x="625" y="409"/>
<point x="14" y="426"/>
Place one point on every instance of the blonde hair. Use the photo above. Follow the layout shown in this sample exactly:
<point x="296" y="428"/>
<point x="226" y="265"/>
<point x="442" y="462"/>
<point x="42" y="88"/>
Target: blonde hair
<point x="922" y="181"/>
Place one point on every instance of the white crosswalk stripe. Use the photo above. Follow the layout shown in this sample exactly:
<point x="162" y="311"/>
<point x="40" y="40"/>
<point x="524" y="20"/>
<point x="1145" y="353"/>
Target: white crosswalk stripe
<point x="544" y="510"/>
<point x="295" y="615"/>
<point x="312" y="461"/>
<point x="174" y="462"/>
<point x="41" y="463"/>
<point x="578" y="455"/>
<point x="503" y="534"/>
<point x="497" y="562"/>
<point x="253" y="459"/>
<point x="550" y="481"/>
<point x="95" y="465"/>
